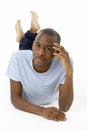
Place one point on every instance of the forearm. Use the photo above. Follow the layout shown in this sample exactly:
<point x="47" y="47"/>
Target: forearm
<point x="66" y="97"/>
<point x="26" y="106"/>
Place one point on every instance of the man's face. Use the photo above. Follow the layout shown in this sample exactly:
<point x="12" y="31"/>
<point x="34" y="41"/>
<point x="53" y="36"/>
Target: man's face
<point x="43" y="52"/>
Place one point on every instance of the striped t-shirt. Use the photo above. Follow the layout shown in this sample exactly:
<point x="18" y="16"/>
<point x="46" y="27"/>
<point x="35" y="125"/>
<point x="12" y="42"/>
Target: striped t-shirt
<point x="38" y="88"/>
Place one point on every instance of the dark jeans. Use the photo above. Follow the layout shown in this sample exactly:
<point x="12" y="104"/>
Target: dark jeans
<point x="27" y="41"/>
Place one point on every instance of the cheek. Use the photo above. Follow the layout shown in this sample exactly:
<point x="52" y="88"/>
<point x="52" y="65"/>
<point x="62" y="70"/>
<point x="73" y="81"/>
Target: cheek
<point x="49" y="56"/>
<point x="33" y="53"/>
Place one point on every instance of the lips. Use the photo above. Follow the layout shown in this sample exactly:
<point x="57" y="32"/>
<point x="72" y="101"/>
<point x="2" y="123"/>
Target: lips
<point x="40" y="59"/>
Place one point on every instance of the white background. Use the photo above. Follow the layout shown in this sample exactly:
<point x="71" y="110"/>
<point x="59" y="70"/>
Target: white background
<point x="69" y="18"/>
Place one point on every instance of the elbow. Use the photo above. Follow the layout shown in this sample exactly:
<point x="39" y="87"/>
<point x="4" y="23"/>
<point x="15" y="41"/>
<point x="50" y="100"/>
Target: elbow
<point x="65" y="106"/>
<point x="14" y="102"/>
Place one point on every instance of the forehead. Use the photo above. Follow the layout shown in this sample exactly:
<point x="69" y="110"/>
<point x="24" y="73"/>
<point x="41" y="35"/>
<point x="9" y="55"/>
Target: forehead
<point x="46" y="39"/>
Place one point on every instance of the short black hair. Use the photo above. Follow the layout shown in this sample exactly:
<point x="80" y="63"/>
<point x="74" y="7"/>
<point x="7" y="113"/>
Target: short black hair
<point x="50" y="32"/>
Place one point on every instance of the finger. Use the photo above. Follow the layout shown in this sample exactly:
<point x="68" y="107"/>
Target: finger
<point x="59" y="48"/>
<point x="59" y="118"/>
<point x="56" y="44"/>
<point x="56" y="49"/>
<point x="57" y="56"/>
<point x="59" y="113"/>
<point x="64" y="51"/>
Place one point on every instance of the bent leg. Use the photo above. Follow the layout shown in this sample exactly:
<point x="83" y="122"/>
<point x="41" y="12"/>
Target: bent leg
<point x="34" y="22"/>
<point x="27" y="41"/>
<point x="19" y="31"/>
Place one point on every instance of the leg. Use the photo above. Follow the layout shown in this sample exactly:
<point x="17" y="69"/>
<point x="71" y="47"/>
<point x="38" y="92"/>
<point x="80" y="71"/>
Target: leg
<point x="27" y="41"/>
<point x="19" y="31"/>
<point x="34" y="22"/>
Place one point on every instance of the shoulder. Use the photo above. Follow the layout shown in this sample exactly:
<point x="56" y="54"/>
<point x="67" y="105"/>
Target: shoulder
<point x="22" y="54"/>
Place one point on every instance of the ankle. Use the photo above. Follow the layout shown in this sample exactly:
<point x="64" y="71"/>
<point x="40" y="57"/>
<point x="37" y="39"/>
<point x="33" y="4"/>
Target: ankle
<point x="32" y="30"/>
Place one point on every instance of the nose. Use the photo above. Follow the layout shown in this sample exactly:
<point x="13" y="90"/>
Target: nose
<point x="41" y="52"/>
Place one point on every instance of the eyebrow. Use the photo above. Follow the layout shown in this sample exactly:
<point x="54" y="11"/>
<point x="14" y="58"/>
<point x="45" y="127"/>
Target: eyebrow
<point x="46" y="45"/>
<point x="49" y="46"/>
<point x="36" y="42"/>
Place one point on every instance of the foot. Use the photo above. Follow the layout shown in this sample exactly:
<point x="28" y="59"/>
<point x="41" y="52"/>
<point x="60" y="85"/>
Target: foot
<point x="19" y="31"/>
<point x="34" y="22"/>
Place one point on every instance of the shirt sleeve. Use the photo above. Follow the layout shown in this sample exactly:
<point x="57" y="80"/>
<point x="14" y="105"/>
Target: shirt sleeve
<point x="12" y="70"/>
<point x="63" y="78"/>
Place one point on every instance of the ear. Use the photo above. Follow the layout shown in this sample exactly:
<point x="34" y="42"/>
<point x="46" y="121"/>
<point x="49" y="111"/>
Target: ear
<point x="32" y="45"/>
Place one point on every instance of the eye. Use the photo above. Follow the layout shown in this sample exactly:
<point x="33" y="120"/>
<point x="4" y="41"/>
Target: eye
<point x="37" y="45"/>
<point x="49" y="48"/>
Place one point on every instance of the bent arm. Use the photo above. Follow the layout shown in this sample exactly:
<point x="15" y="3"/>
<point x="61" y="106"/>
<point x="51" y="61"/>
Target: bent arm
<point x="21" y="103"/>
<point x="66" y="89"/>
<point x="51" y="113"/>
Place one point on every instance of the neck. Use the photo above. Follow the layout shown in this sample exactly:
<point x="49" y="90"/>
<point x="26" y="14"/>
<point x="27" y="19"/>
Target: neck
<point x="41" y="69"/>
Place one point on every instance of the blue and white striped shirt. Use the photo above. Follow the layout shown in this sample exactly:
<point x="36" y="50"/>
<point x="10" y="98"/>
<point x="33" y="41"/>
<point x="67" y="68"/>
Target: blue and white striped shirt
<point x="38" y="88"/>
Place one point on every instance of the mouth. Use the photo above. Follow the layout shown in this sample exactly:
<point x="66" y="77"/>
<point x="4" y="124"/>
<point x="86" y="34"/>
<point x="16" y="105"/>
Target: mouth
<point x="39" y="59"/>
